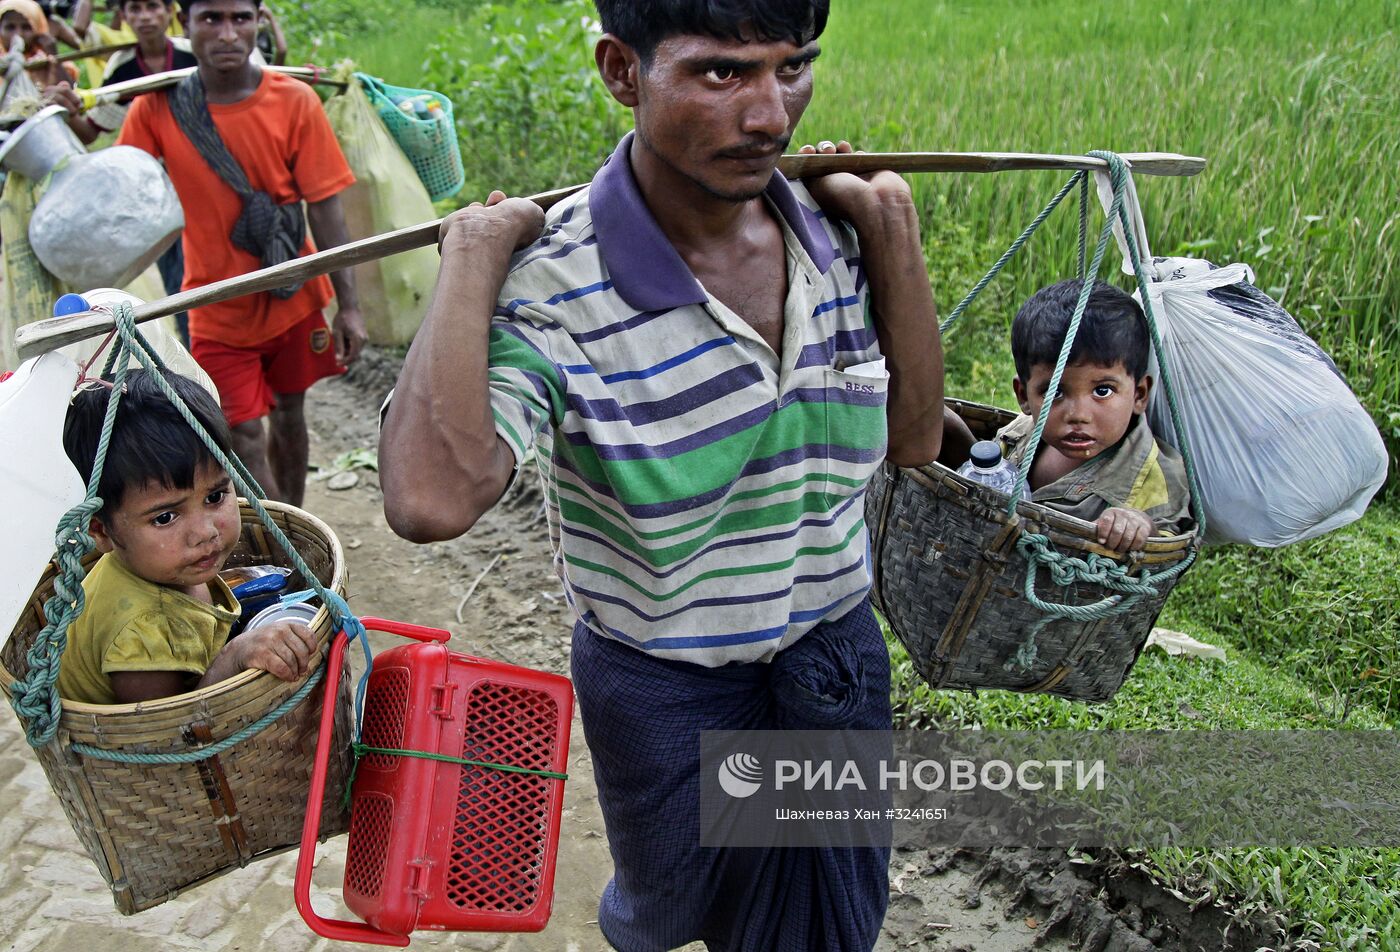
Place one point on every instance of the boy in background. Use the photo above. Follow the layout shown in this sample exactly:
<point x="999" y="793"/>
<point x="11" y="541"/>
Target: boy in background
<point x="1097" y="460"/>
<point x="263" y="351"/>
<point x="157" y="617"/>
<point x="155" y="52"/>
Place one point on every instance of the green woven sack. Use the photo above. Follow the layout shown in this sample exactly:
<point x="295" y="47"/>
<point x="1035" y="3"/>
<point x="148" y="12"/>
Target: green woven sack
<point x="430" y="144"/>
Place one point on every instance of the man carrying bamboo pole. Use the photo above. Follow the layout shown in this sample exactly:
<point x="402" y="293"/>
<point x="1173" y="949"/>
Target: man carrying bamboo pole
<point x="155" y="52"/>
<point x="244" y="146"/>
<point x="687" y="351"/>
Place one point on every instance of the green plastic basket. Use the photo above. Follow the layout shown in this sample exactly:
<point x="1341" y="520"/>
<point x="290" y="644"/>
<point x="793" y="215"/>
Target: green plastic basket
<point x="430" y="144"/>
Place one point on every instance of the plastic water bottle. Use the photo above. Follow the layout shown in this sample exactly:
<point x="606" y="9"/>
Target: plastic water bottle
<point x="986" y="466"/>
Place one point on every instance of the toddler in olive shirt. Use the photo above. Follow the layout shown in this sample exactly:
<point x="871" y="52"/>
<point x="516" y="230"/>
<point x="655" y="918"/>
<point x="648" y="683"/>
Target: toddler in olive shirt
<point x="157" y="617"/>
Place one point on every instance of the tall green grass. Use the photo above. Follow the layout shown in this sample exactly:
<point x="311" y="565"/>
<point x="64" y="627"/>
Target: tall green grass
<point x="1294" y="104"/>
<point x="386" y="41"/>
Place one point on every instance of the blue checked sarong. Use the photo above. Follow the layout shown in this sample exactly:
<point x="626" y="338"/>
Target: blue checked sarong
<point x="642" y="718"/>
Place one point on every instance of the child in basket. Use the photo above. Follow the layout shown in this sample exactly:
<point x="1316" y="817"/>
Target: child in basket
<point x="158" y="617"/>
<point x="1097" y="460"/>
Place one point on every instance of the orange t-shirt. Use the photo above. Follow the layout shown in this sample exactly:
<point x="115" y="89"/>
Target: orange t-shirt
<point x="283" y="141"/>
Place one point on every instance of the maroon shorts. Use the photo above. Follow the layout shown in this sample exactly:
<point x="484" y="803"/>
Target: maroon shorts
<point x="249" y="378"/>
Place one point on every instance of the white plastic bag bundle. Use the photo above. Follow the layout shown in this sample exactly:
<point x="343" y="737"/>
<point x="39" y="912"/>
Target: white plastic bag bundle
<point x="1283" y="449"/>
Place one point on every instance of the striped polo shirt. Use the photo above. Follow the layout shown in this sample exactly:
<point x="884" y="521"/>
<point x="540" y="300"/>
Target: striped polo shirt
<point x="705" y="495"/>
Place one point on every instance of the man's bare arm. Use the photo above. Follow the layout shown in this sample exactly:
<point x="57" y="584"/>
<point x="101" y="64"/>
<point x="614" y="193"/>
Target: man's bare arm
<point x="65" y="33"/>
<point x="327" y="221"/>
<point x="82" y="17"/>
<point x="84" y="128"/>
<point x="441" y="463"/>
<point x="881" y="209"/>
<point x="279" y="40"/>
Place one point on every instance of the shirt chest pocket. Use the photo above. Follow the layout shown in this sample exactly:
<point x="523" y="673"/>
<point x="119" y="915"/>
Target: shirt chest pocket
<point x="846" y="419"/>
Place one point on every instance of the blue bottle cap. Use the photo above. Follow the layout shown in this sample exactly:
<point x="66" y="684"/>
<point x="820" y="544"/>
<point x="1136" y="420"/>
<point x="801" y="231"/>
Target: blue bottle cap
<point x="985" y="454"/>
<point x="70" y="304"/>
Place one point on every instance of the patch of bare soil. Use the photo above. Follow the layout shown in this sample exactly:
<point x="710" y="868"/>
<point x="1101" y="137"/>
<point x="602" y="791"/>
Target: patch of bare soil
<point x="1093" y="905"/>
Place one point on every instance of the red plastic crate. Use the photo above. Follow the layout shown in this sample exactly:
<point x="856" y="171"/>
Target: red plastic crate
<point x="446" y="846"/>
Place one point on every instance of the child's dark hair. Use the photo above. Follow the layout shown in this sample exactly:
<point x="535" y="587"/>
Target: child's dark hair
<point x="150" y="442"/>
<point x="642" y="24"/>
<point x="1112" y="330"/>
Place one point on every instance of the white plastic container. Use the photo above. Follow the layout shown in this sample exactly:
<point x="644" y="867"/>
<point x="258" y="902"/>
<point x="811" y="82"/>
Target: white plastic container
<point x="37" y="481"/>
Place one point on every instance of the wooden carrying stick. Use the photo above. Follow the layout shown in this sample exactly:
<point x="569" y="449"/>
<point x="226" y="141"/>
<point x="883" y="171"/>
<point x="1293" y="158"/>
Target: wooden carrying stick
<point x="127" y="89"/>
<point x="43" y="62"/>
<point x="42" y="336"/>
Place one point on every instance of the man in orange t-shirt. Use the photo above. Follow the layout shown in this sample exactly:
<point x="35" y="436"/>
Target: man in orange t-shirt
<point x="263" y="352"/>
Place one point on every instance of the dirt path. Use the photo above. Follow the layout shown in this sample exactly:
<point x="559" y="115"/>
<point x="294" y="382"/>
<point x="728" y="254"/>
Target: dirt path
<point x="51" y="898"/>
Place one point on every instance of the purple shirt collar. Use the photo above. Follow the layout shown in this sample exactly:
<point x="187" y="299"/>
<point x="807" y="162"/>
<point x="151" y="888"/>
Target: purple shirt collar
<point x="646" y="269"/>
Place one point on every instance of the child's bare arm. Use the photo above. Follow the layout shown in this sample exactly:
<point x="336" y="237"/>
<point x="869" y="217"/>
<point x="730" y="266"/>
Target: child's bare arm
<point x="82" y="16"/>
<point x="131" y="687"/>
<point x="1124" y="530"/>
<point x="283" y="650"/>
<point x="957" y="440"/>
<point x="65" y="33"/>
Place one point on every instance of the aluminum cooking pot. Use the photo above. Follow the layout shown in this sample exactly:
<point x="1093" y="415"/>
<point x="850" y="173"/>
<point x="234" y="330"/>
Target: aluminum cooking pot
<point x="105" y="216"/>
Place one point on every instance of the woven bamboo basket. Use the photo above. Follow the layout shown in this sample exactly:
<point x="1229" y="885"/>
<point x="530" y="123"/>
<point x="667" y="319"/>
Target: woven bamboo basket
<point x="156" y="830"/>
<point x="949" y="580"/>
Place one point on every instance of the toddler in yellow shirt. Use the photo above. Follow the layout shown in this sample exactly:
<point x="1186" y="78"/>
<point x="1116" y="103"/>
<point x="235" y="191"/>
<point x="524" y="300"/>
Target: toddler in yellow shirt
<point x="157" y="617"/>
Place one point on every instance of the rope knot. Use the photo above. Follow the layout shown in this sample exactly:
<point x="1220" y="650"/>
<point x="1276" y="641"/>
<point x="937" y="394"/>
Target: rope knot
<point x="1118" y="171"/>
<point x="1067" y="570"/>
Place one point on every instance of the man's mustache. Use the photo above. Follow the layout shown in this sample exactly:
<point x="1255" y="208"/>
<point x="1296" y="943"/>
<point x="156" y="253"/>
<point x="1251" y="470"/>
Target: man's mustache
<point x="757" y="147"/>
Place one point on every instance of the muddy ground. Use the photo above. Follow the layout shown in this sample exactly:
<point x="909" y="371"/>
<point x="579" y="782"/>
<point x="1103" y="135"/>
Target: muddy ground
<point x="51" y="898"/>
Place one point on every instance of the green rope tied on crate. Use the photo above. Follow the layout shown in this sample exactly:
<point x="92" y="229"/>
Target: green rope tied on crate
<point x="1068" y="570"/>
<point x="360" y="750"/>
<point x="35" y="698"/>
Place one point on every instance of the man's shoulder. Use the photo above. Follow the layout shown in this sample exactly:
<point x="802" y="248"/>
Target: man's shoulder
<point x="288" y="88"/>
<point x="120" y="66"/>
<point x="804" y="197"/>
<point x="184" y="53"/>
<point x="841" y="235"/>
<point x="564" y="259"/>
<point x="284" y="106"/>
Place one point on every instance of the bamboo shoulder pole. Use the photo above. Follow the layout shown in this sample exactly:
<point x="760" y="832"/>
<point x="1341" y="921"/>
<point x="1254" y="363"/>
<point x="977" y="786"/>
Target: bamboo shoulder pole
<point x="130" y="88"/>
<point x="1147" y="163"/>
<point x="43" y="336"/>
<point x="43" y="62"/>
